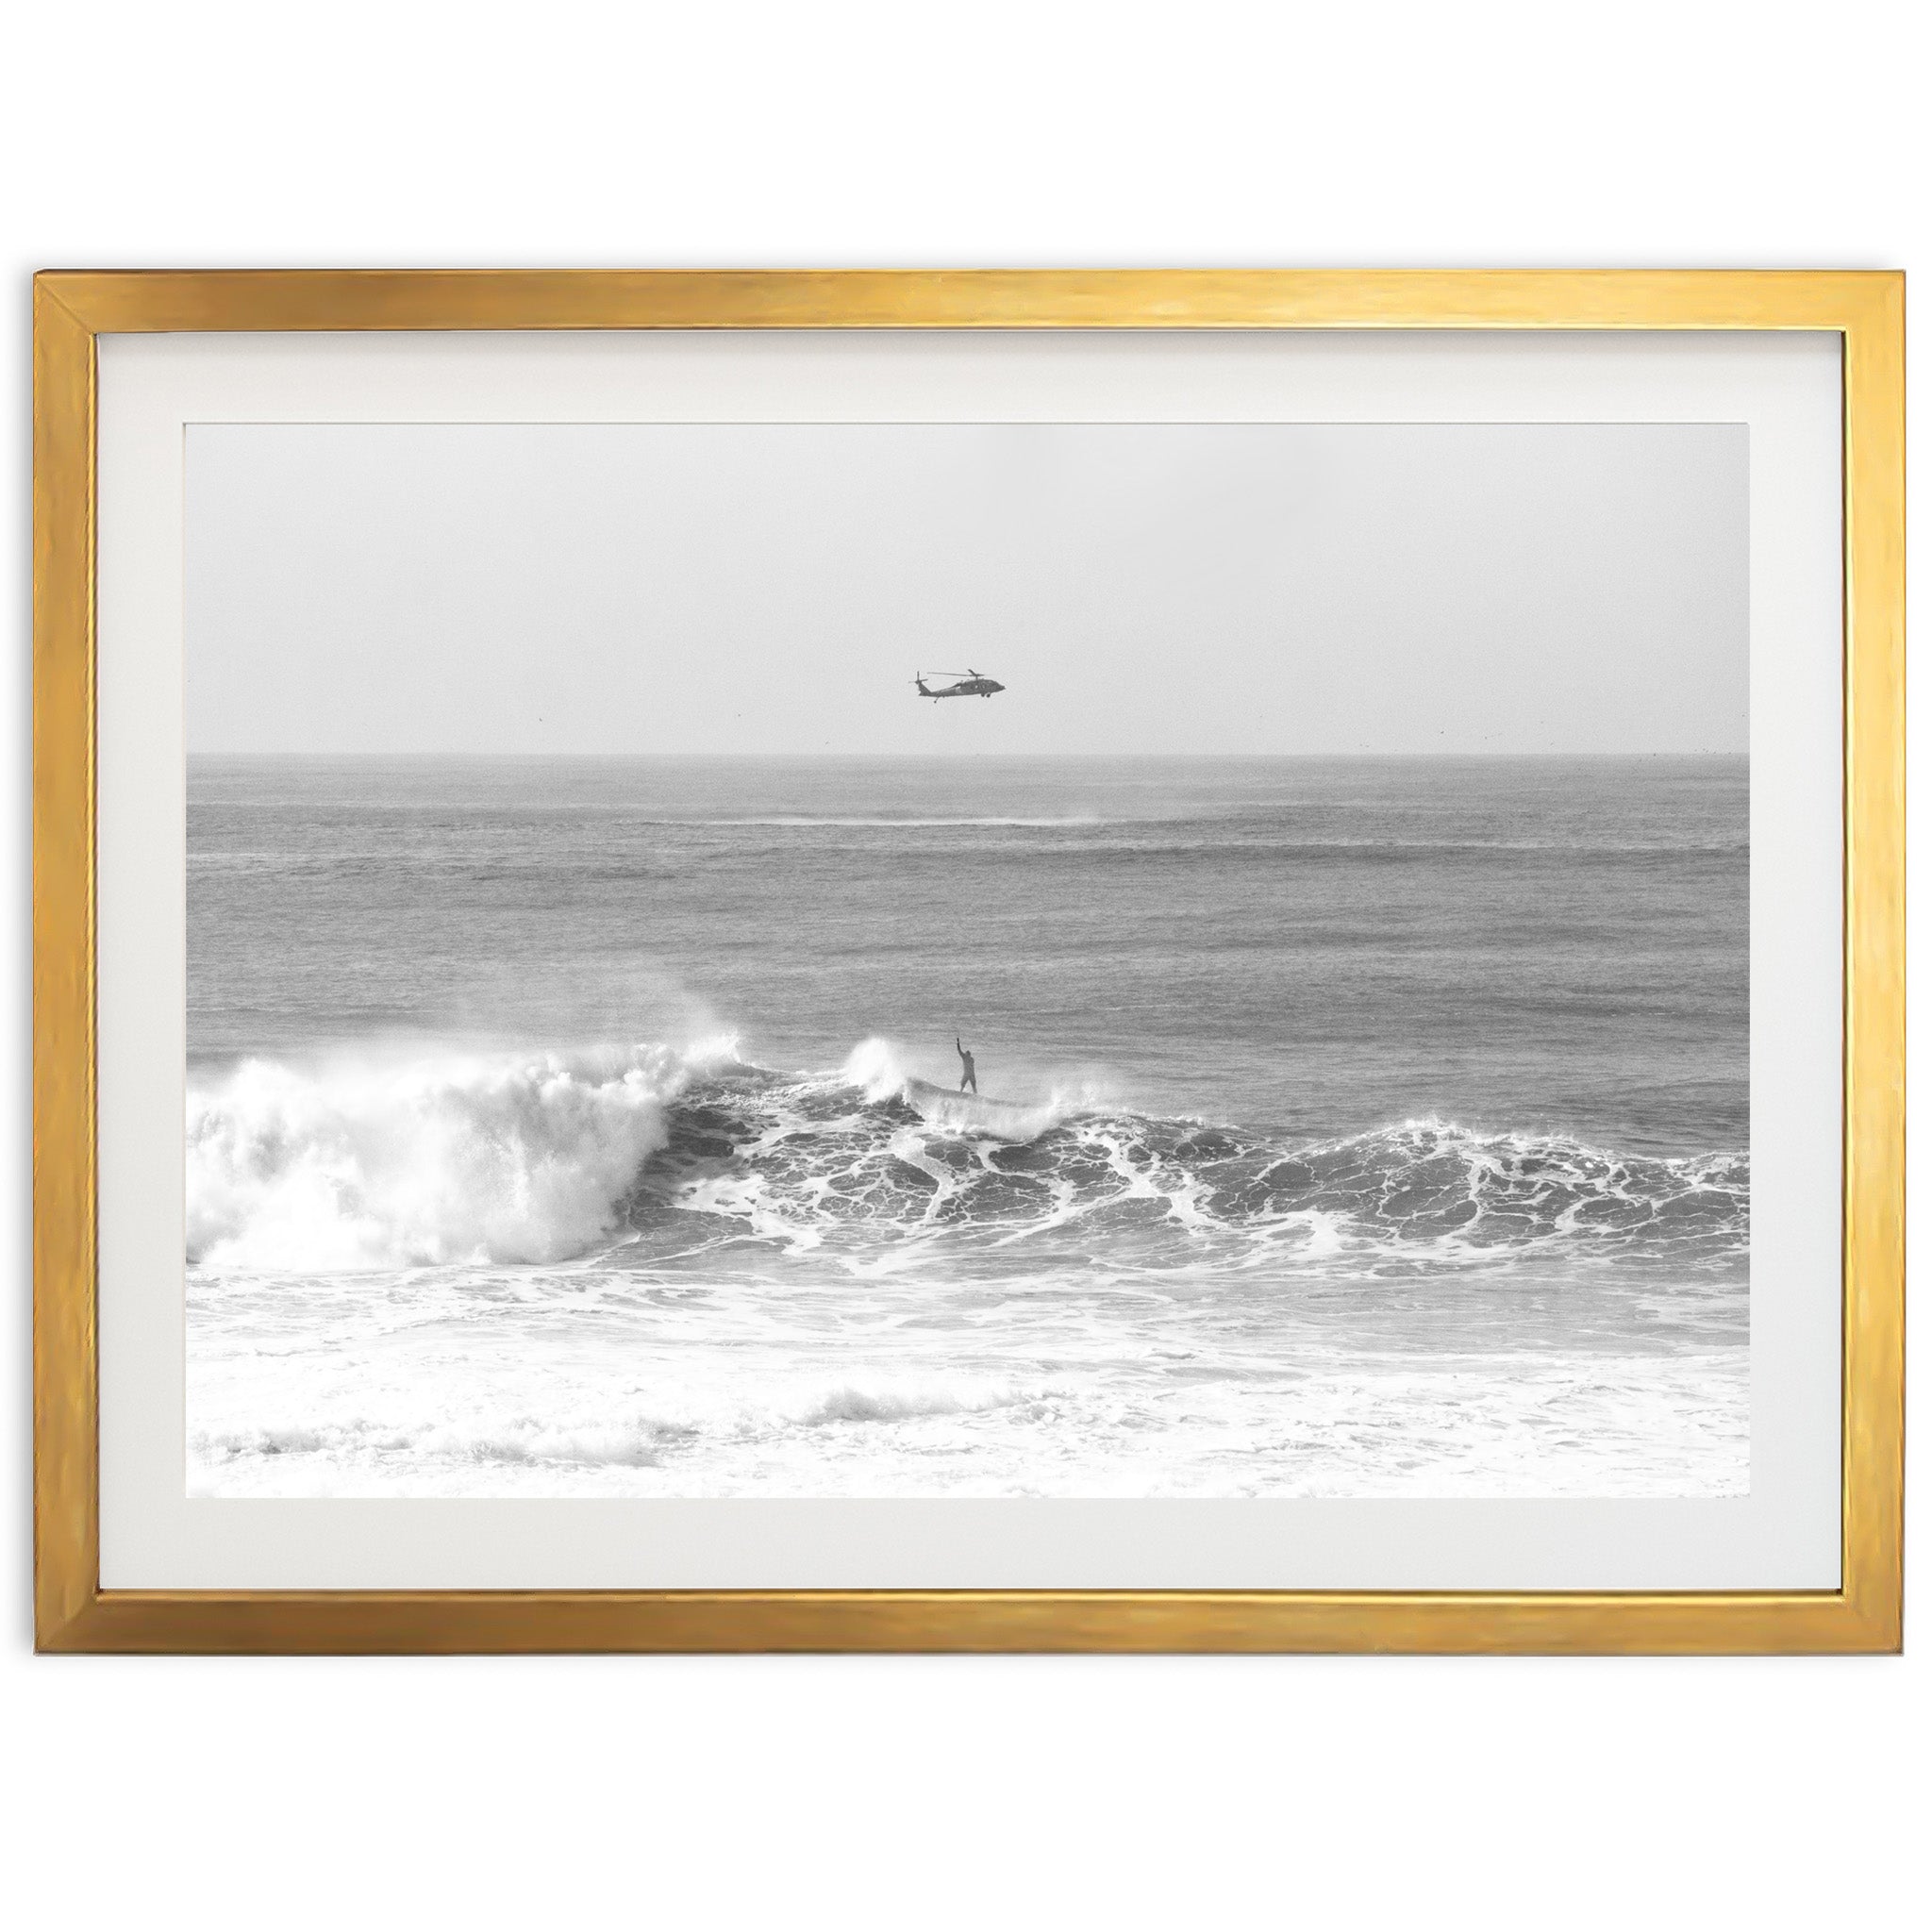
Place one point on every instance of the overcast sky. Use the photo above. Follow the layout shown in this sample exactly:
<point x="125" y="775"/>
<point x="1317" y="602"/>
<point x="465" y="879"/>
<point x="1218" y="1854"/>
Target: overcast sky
<point x="1138" y="588"/>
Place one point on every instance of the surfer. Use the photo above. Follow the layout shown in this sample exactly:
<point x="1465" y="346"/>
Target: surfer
<point x="967" y="1076"/>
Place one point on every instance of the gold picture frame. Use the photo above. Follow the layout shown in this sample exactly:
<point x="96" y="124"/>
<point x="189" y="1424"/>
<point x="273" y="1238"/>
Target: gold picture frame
<point x="74" y="1613"/>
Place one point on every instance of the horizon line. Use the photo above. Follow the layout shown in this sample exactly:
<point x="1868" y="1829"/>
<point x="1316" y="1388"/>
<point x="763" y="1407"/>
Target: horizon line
<point x="961" y="757"/>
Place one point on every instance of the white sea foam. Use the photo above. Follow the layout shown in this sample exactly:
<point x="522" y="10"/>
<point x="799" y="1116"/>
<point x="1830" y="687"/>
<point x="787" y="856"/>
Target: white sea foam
<point x="909" y="1388"/>
<point x="462" y="1158"/>
<point x="874" y="1166"/>
<point x="875" y="1068"/>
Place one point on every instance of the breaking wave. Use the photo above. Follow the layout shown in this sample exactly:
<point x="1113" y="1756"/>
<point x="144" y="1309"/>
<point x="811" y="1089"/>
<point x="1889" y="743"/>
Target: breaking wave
<point x="511" y="1159"/>
<point x="877" y="1167"/>
<point x="683" y="1161"/>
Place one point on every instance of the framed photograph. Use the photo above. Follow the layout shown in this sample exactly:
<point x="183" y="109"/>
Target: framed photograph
<point x="984" y="962"/>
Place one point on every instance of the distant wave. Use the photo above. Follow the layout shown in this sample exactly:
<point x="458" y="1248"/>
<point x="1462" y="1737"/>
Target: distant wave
<point x="1154" y="842"/>
<point x="694" y="1157"/>
<point x="1144" y="834"/>
<point x="790" y="821"/>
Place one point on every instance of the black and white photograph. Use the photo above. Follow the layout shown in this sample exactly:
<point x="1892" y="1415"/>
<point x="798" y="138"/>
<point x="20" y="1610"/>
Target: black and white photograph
<point x="968" y="959"/>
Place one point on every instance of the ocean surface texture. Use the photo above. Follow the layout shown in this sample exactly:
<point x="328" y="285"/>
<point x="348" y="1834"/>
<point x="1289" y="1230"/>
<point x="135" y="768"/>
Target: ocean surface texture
<point x="1346" y="1127"/>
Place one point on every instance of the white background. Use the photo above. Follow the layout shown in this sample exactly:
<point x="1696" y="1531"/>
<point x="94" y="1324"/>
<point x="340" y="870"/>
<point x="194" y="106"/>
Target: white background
<point x="1349" y="1793"/>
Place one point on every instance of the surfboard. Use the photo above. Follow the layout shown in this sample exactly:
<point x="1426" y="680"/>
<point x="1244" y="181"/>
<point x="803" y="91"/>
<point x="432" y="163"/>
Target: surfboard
<point x="921" y="1092"/>
<point x="955" y="1112"/>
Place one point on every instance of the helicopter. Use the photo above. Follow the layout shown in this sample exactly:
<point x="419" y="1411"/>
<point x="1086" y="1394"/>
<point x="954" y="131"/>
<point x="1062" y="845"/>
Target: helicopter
<point x="972" y="686"/>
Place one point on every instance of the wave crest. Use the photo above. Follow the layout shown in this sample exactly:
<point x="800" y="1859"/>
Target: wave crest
<point x="536" y="1159"/>
<point x="881" y="1167"/>
<point x="511" y="1159"/>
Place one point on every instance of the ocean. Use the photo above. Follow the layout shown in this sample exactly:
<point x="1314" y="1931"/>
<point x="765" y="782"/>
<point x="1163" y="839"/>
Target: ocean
<point x="1346" y="1127"/>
